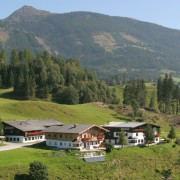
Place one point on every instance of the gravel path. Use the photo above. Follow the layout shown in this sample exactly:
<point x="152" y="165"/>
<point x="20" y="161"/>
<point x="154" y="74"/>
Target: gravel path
<point x="10" y="146"/>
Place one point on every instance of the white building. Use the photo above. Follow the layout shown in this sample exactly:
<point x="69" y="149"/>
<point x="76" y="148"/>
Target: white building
<point x="134" y="132"/>
<point x="25" y="131"/>
<point x="75" y="136"/>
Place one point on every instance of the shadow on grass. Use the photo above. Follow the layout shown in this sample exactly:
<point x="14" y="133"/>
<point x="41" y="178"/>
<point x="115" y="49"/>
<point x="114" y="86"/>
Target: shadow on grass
<point x="8" y="95"/>
<point x="21" y="177"/>
<point x="165" y="173"/>
<point x="121" y="118"/>
<point x="40" y="145"/>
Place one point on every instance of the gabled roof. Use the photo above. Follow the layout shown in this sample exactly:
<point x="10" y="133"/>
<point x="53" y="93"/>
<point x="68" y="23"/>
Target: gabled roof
<point x="72" y="128"/>
<point x="33" y="125"/>
<point x="127" y="124"/>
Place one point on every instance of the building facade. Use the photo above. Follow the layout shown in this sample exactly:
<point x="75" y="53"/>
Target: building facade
<point x="134" y="132"/>
<point x="75" y="136"/>
<point x="25" y="131"/>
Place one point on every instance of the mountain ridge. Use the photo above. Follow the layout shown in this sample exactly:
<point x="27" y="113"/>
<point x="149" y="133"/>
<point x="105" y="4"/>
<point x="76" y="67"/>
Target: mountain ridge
<point x="106" y="44"/>
<point x="27" y="13"/>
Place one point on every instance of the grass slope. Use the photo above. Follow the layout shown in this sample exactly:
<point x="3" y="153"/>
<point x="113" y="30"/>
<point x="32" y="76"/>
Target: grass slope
<point x="129" y="163"/>
<point x="11" y="109"/>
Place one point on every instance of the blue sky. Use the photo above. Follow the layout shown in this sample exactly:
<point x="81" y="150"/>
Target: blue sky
<point x="162" y="12"/>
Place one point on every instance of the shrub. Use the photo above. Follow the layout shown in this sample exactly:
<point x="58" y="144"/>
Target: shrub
<point x="177" y="141"/>
<point x="174" y="145"/>
<point x="109" y="146"/>
<point x="38" y="171"/>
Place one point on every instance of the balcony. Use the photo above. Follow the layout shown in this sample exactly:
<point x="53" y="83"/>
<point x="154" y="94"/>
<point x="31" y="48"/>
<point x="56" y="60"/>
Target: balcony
<point x="87" y="139"/>
<point x="35" y="133"/>
<point x="101" y="137"/>
<point x="157" y="135"/>
<point x="138" y="130"/>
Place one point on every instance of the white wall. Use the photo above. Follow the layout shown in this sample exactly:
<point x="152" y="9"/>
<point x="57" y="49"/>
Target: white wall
<point x="138" y="137"/>
<point x="62" y="144"/>
<point x="70" y="145"/>
<point x="22" y="139"/>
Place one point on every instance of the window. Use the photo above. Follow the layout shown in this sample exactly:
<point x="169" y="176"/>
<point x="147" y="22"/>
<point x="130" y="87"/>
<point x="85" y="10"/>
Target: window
<point x="14" y="139"/>
<point x="60" y="143"/>
<point x="10" y="139"/>
<point x="138" y="140"/>
<point x="49" y="135"/>
<point x="136" y="134"/>
<point x="69" y="144"/>
<point x="60" y="135"/>
<point x="49" y="142"/>
<point x="126" y="134"/>
<point x="54" y="135"/>
<point x="132" y="141"/>
<point x="29" y="138"/>
<point x="141" y="140"/>
<point x="117" y="134"/>
<point x="32" y="138"/>
<point x="65" y="144"/>
<point x="17" y="139"/>
<point x="25" y="139"/>
<point x="40" y="137"/>
<point x="55" y="143"/>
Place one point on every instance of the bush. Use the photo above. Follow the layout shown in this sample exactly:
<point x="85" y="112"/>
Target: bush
<point x="38" y="171"/>
<point x="174" y="145"/>
<point x="109" y="146"/>
<point x="177" y="141"/>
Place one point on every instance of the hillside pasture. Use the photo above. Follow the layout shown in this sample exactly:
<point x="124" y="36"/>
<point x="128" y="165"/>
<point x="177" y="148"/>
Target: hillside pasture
<point x="152" y="162"/>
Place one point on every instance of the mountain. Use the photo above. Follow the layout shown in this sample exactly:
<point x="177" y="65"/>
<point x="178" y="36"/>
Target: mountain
<point x="27" y="13"/>
<point x="108" y="45"/>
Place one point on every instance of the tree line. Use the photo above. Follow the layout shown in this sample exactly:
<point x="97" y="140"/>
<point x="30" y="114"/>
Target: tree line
<point x="45" y="76"/>
<point x="168" y="95"/>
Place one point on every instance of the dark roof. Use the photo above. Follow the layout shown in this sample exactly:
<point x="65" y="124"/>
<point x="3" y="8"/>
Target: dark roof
<point x="94" y="159"/>
<point x="72" y="128"/>
<point x="126" y="124"/>
<point x="33" y="125"/>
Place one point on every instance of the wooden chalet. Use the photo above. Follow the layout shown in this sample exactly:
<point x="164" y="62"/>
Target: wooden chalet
<point x="75" y="136"/>
<point x="27" y="130"/>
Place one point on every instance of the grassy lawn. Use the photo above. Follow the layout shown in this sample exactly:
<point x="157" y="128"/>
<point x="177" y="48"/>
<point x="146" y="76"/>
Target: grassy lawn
<point x="91" y="113"/>
<point x="11" y="109"/>
<point x="128" y="163"/>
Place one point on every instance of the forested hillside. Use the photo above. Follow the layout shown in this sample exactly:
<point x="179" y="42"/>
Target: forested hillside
<point x="44" y="76"/>
<point x="111" y="46"/>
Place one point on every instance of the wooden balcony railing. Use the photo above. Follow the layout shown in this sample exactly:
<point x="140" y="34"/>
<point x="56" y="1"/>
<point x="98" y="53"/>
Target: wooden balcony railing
<point x="157" y="135"/>
<point x="35" y="133"/>
<point x="138" y="130"/>
<point x="101" y="137"/>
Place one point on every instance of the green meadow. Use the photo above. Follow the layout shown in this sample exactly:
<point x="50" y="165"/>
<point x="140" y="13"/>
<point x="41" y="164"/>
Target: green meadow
<point x="11" y="109"/>
<point x="132" y="163"/>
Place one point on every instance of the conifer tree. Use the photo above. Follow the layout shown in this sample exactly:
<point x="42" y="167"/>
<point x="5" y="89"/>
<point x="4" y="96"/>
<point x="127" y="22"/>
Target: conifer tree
<point x="172" y="133"/>
<point x="14" y="58"/>
<point x="149" y="135"/>
<point x="122" y="139"/>
<point x="2" y="58"/>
